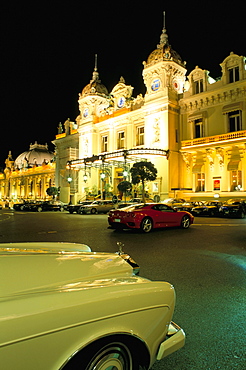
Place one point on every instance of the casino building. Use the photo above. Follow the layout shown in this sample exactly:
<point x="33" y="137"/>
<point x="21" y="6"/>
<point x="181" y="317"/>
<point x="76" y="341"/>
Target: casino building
<point x="192" y="128"/>
<point x="29" y="175"/>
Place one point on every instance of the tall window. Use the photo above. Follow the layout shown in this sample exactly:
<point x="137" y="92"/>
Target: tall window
<point x="121" y="140"/>
<point x="200" y="181"/>
<point x="198" y="128"/>
<point x="233" y="74"/>
<point x="236" y="180"/>
<point x="140" y="136"/>
<point x="235" y="121"/>
<point x="198" y="86"/>
<point x="104" y="143"/>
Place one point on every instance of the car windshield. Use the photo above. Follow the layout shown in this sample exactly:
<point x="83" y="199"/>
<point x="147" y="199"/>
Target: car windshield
<point x="136" y="206"/>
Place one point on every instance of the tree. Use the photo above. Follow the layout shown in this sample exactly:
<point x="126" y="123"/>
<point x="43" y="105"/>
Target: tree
<point x="124" y="187"/>
<point x="52" y="191"/>
<point x="142" y="172"/>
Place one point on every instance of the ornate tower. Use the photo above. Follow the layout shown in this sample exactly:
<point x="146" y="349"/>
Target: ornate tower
<point x="93" y="99"/>
<point x="164" y="71"/>
<point x="164" y="77"/>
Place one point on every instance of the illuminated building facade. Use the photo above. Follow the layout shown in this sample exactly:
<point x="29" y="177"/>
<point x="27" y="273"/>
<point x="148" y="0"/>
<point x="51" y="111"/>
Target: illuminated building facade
<point x="29" y="175"/>
<point x="213" y="131"/>
<point x="193" y="129"/>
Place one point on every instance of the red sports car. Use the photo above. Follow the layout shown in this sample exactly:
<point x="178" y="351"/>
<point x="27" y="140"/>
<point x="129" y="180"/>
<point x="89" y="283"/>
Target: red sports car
<point x="148" y="216"/>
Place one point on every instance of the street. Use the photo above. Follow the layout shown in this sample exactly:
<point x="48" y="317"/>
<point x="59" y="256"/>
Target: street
<point x="206" y="264"/>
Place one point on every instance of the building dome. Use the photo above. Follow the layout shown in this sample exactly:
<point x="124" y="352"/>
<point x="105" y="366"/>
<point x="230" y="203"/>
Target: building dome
<point x="164" y="52"/>
<point x="95" y="87"/>
<point x="35" y="156"/>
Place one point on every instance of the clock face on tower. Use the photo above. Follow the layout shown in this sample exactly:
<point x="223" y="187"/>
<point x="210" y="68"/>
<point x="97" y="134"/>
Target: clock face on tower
<point x="121" y="102"/>
<point x="175" y="85"/>
<point x="86" y="112"/>
<point x="155" y="84"/>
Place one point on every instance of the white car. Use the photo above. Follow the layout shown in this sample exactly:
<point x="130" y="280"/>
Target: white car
<point x="97" y="206"/>
<point x="65" y="307"/>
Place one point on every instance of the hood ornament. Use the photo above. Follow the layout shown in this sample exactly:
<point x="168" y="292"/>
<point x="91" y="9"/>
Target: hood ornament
<point x="120" y="248"/>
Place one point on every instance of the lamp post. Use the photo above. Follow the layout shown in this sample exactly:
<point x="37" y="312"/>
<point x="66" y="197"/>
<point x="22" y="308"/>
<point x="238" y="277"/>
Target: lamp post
<point x="125" y="173"/>
<point x="102" y="175"/>
<point x="69" y="180"/>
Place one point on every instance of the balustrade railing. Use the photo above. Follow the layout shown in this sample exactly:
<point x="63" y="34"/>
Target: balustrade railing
<point x="213" y="139"/>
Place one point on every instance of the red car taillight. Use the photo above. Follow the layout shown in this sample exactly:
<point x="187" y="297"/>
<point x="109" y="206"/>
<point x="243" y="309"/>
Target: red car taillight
<point x="131" y="214"/>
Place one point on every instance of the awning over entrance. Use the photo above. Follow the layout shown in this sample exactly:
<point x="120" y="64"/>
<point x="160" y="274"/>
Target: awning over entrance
<point x="195" y="116"/>
<point x="232" y="107"/>
<point x="233" y="165"/>
<point x="118" y="157"/>
<point x="197" y="168"/>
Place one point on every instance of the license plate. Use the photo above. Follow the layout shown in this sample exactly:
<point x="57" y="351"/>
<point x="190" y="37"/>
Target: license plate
<point x="117" y="220"/>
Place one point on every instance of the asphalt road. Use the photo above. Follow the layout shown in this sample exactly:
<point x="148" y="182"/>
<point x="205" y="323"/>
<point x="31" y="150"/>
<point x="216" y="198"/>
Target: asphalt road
<point x="206" y="264"/>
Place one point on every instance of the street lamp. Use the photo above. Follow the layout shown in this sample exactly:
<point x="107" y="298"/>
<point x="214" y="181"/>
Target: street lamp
<point x="69" y="180"/>
<point x="125" y="173"/>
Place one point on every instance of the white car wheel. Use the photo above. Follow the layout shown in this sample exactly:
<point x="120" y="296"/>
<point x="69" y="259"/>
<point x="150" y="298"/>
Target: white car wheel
<point x="185" y="222"/>
<point x="114" y="356"/>
<point x="111" y="356"/>
<point x="93" y="211"/>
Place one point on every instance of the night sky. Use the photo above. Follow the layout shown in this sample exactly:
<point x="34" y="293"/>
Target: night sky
<point x="48" y="52"/>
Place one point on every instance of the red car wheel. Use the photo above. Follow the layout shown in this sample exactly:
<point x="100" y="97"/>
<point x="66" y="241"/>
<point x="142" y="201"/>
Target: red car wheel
<point x="146" y="225"/>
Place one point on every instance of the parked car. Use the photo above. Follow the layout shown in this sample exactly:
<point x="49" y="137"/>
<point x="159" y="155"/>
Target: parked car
<point x="65" y="307"/>
<point x="187" y="206"/>
<point x="19" y="206"/>
<point x="148" y="216"/>
<point x="40" y="206"/>
<point x="211" y="208"/>
<point x="234" y="208"/>
<point x="98" y="206"/>
<point x="27" y="205"/>
<point x="75" y="208"/>
<point x="52" y="205"/>
<point x="140" y="200"/>
<point x="174" y="202"/>
<point x="122" y="204"/>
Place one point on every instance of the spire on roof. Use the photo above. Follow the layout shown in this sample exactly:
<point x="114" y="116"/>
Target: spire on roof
<point x="164" y="36"/>
<point x="95" y="74"/>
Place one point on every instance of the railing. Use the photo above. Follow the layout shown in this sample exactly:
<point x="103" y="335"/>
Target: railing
<point x="213" y="139"/>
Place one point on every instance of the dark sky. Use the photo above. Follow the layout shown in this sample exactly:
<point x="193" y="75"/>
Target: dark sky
<point x="48" y="51"/>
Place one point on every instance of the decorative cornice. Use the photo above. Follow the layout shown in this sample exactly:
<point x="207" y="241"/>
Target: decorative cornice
<point x="208" y="99"/>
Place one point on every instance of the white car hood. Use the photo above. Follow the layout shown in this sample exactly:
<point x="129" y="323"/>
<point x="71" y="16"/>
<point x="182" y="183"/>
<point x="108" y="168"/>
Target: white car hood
<point x="49" y="266"/>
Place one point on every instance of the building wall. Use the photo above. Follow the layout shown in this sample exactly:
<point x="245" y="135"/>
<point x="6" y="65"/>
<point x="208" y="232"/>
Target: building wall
<point x="185" y="117"/>
<point x="30" y="183"/>
<point x="219" y="152"/>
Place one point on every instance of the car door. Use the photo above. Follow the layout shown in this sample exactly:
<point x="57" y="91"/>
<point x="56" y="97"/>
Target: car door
<point x="165" y="216"/>
<point x="108" y="205"/>
<point x="101" y="206"/>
